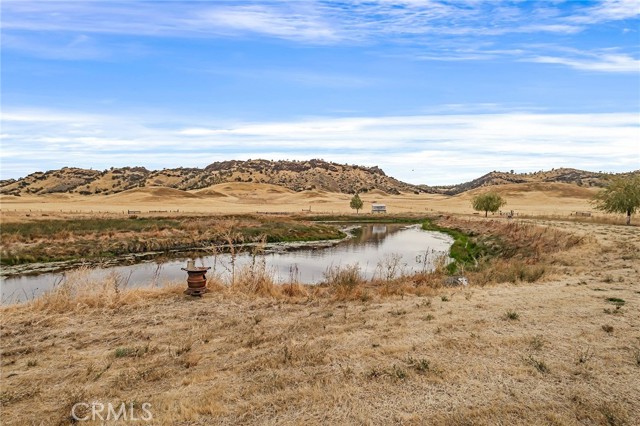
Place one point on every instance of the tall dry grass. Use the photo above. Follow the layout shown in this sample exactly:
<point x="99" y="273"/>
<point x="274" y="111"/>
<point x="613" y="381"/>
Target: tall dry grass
<point x="345" y="282"/>
<point x="78" y="290"/>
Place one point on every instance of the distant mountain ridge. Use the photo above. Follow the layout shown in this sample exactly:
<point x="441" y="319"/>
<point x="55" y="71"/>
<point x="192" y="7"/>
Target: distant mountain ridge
<point x="295" y="175"/>
<point x="561" y="175"/>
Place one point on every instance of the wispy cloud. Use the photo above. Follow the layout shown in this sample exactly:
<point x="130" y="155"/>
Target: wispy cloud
<point x="300" y="23"/>
<point x="610" y="60"/>
<point x="435" y="30"/>
<point x="434" y="149"/>
<point x="318" y="21"/>
<point x="295" y="20"/>
<point x="608" y="10"/>
<point x="604" y="63"/>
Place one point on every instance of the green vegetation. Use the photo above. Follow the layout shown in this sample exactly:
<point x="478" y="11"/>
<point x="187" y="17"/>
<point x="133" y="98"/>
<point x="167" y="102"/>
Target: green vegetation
<point x="399" y="373"/>
<point x="464" y="251"/>
<point x="488" y="202"/>
<point x="356" y="203"/>
<point x="130" y="352"/>
<point x="621" y="196"/>
<point x="346" y="218"/>
<point x="48" y="228"/>
<point x="500" y="252"/>
<point x="616" y="301"/>
<point x="420" y="365"/>
<point x="511" y="315"/>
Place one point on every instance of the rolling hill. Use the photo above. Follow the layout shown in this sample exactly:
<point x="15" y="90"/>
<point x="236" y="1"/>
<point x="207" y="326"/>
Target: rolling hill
<point x="294" y="176"/>
<point x="577" y="177"/>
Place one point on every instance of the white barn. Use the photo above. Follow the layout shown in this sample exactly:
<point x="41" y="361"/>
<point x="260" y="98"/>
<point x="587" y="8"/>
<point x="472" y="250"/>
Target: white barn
<point x="378" y="208"/>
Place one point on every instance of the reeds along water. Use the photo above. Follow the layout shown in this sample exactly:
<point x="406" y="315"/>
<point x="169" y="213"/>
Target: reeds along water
<point x="77" y="290"/>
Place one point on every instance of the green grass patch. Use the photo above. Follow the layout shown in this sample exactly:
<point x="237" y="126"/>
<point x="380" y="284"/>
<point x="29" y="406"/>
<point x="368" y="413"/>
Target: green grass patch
<point x="130" y="352"/>
<point x="278" y="232"/>
<point x="616" y="301"/>
<point x="46" y="228"/>
<point x="364" y="218"/>
<point x="464" y="250"/>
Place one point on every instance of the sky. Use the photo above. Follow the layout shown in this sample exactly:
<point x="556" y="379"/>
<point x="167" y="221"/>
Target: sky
<point x="434" y="92"/>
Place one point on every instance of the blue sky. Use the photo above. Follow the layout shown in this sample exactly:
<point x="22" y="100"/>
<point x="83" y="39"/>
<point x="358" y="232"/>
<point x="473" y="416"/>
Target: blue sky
<point x="432" y="91"/>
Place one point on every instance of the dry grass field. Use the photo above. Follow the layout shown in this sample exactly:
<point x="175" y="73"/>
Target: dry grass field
<point x="561" y="348"/>
<point x="233" y="198"/>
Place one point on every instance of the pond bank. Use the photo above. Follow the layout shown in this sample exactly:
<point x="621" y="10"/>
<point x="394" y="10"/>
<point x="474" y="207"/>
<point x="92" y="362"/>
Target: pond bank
<point x="81" y="240"/>
<point x="158" y="256"/>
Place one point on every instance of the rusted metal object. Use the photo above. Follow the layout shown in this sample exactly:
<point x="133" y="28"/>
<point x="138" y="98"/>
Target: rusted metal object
<point x="197" y="281"/>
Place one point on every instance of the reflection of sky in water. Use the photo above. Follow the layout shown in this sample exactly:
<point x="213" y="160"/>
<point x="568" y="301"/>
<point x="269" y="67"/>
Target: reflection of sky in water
<point x="375" y="245"/>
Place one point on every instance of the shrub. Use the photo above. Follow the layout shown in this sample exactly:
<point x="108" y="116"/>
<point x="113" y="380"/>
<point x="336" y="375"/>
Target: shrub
<point x="607" y="328"/>
<point x="511" y="315"/>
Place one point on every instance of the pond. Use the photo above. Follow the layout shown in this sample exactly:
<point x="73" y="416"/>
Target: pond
<point x="379" y="250"/>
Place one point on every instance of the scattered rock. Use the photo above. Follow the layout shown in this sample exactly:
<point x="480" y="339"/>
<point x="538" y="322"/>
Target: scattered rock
<point x="456" y="280"/>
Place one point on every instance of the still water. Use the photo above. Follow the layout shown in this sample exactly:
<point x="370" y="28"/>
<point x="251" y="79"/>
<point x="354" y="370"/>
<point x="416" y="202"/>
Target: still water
<point x="379" y="250"/>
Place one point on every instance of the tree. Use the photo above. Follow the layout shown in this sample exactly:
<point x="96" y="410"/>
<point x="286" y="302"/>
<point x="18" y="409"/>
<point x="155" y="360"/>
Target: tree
<point x="356" y="203"/>
<point x="622" y="195"/>
<point x="488" y="202"/>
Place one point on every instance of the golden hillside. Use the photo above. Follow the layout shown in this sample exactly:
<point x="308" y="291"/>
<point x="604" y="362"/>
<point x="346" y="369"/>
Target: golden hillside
<point x="577" y="177"/>
<point x="294" y="175"/>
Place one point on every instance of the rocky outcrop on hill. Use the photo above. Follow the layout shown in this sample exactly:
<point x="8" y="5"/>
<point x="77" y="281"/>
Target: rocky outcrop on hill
<point x="295" y="175"/>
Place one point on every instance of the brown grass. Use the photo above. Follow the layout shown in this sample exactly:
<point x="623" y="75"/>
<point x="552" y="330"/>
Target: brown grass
<point x="107" y="240"/>
<point x="407" y="350"/>
<point x="559" y="200"/>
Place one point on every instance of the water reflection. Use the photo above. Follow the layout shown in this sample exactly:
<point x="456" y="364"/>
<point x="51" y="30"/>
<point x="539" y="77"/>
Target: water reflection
<point x="377" y="249"/>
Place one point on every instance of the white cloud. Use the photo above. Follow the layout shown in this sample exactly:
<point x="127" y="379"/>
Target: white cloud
<point x="617" y="63"/>
<point x="269" y="21"/>
<point x="433" y="149"/>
